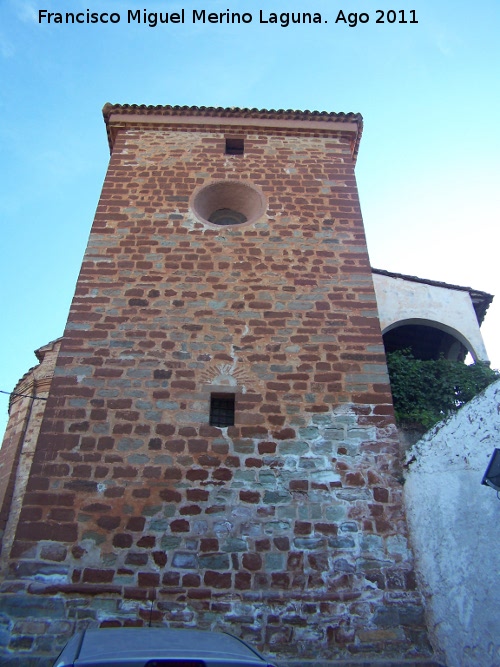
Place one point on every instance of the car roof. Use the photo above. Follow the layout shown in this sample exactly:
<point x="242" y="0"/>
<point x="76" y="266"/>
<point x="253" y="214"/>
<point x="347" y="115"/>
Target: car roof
<point x="135" y="646"/>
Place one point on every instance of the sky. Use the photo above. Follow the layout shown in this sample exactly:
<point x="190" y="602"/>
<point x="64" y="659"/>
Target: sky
<point x="428" y="170"/>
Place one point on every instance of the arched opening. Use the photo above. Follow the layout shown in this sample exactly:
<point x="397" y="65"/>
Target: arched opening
<point x="228" y="203"/>
<point x="426" y="340"/>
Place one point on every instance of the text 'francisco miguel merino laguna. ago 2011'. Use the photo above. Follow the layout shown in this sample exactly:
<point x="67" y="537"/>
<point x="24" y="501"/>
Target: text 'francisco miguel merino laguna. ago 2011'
<point x="152" y="19"/>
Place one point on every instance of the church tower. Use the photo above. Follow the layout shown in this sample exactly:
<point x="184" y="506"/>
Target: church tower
<point x="218" y="447"/>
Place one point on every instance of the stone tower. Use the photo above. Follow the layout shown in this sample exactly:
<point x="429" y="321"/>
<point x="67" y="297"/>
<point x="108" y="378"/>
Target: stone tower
<point x="218" y="447"/>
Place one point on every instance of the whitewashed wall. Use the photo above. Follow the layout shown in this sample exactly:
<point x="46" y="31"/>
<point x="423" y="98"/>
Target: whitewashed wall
<point x="403" y="301"/>
<point x="454" y="524"/>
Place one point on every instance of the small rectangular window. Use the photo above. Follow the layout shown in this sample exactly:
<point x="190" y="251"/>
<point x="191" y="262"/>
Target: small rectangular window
<point x="235" y="146"/>
<point x="222" y="410"/>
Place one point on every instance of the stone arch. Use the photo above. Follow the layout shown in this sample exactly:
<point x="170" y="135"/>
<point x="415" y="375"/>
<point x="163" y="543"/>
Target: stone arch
<point x="447" y="310"/>
<point x="428" y="339"/>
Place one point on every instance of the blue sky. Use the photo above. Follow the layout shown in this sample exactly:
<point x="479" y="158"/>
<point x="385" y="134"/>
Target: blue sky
<point x="428" y="169"/>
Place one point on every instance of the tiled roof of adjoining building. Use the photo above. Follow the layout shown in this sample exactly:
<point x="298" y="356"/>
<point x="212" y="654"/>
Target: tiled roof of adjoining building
<point x="480" y="300"/>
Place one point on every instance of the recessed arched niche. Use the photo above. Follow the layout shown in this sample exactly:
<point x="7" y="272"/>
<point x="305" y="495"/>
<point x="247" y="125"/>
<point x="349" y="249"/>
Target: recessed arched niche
<point x="228" y="204"/>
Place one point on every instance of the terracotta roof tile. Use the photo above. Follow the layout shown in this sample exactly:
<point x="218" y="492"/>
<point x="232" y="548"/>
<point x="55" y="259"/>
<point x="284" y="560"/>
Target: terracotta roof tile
<point x="233" y="112"/>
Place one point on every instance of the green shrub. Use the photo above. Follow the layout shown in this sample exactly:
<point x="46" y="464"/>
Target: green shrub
<point x="426" y="392"/>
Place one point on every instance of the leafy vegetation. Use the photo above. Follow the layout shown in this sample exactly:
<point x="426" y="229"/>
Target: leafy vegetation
<point x="425" y="392"/>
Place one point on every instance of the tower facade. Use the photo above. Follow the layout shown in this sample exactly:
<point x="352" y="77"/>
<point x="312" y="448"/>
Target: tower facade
<point x="218" y="447"/>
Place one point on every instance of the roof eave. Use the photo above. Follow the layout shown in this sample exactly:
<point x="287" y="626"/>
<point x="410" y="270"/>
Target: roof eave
<point x="480" y="300"/>
<point x="117" y="115"/>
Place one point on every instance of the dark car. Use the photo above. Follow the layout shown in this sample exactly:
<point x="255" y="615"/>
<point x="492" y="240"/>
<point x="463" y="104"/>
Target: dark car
<point x="157" y="647"/>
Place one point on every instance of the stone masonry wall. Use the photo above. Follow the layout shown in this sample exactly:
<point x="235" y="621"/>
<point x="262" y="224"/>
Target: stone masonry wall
<point x="287" y="528"/>
<point x="18" y="445"/>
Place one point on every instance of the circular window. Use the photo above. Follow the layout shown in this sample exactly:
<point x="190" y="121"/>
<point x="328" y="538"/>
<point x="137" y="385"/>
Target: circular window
<point x="228" y="203"/>
<point x="226" y="216"/>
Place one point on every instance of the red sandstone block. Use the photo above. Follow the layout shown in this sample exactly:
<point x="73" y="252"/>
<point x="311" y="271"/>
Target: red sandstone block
<point x="136" y="558"/>
<point x="280" y="580"/>
<point x="183" y="384"/>
<point x="92" y="457"/>
<point x="208" y="431"/>
<point x="298" y="485"/>
<point x="114" y="492"/>
<point x="108" y="372"/>
<point x="217" y="579"/>
<point x="278" y="386"/>
<point x="170" y="496"/>
<point x="127" y="415"/>
<point x="302" y="528"/>
<point x="208" y="461"/>
<point x="150" y="472"/>
<point x="160" y="558"/>
<point x="118" y="404"/>
<point x="132" y="593"/>
<point x="381" y="495"/>
<point x="136" y="523"/>
<point x="196" y="474"/>
<point x="170" y="579"/>
<point x="108" y="522"/>
<point x="82" y="472"/>
<point x="175" y="445"/>
<point x="383" y="410"/>
<point x="187" y="431"/>
<point x="124" y="471"/>
<point x="197" y="445"/>
<point x="141" y="493"/>
<point x="327" y="377"/>
<point x="250" y="496"/>
<point x="190" y="510"/>
<point x="148" y="579"/>
<point x="267" y="447"/>
<point x="326" y="528"/>
<point x="383" y="527"/>
<point x="37" y="484"/>
<point x="197" y="494"/>
<point x="282" y="543"/>
<point x="200" y="593"/>
<point x="253" y="463"/>
<point x="376" y="510"/>
<point x="179" y="526"/>
<point x="173" y="474"/>
<point x="222" y="474"/>
<point x="215" y="509"/>
<point x="58" y="499"/>
<point x="106" y="442"/>
<point x="96" y="576"/>
<point x="284" y="434"/>
<point x="252" y="561"/>
<point x="165" y="429"/>
<point x="191" y="580"/>
<point x="122" y="540"/>
<point x="61" y="514"/>
<point x="354" y="479"/>
<point x="79" y="427"/>
<point x="243" y="581"/>
<point x="30" y="514"/>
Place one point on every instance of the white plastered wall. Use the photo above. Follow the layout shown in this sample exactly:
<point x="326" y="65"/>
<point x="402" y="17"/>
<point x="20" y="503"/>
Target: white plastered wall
<point x="403" y="301"/>
<point x="454" y="524"/>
